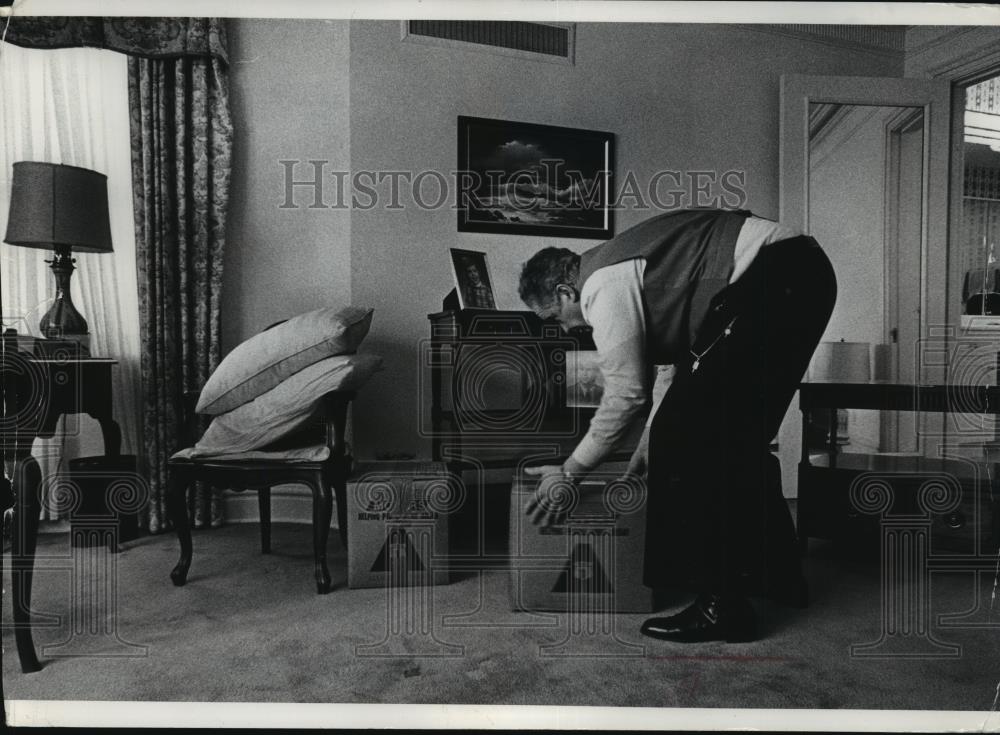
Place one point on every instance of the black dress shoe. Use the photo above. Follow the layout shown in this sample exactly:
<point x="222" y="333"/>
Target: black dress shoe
<point x="709" y="618"/>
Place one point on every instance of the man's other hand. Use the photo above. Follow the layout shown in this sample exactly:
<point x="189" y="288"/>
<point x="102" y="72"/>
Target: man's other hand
<point x="639" y="463"/>
<point x="553" y="498"/>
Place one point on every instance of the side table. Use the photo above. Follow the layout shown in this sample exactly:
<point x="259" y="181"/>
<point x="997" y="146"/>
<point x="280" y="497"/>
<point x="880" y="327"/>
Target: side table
<point x="39" y="391"/>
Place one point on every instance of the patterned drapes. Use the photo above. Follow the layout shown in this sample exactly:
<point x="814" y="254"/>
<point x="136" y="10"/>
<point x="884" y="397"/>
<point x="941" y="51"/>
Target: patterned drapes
<point x="181" y="150"/>
<point x="181" y="141"/>
<point x="148" y="37"/>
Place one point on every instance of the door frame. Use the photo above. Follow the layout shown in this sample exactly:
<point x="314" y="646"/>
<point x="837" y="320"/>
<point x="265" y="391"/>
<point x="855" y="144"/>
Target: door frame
<point x="798" y="91"/>
<point x="904" y="121"/>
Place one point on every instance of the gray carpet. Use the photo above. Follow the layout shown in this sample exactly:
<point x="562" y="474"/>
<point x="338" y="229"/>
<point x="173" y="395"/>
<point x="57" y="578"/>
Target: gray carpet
<point x="249" y="627"/>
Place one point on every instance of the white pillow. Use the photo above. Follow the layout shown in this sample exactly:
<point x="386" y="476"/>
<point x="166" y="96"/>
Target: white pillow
<point x="263" y="361"/>
<point x="285" y="408"/>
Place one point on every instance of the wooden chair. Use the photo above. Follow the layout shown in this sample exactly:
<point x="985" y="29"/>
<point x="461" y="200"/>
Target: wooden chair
<point x="241" y="475"/>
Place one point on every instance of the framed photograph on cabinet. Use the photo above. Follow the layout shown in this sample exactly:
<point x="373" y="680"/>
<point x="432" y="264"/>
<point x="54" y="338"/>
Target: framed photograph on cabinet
<point x="472" y="279"/>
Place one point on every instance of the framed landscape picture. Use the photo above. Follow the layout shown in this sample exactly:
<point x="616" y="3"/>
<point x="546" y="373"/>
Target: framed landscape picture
<point x="523" y="179"/>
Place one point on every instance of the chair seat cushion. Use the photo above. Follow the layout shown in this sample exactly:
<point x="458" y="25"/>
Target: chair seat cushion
<point x="315" y="453"/>
<point x="266" y="359"/>
<point x="286" y="408"/>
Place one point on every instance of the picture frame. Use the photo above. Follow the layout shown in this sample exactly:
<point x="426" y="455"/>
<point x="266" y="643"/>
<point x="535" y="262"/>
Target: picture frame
<point x="584" y="380"/>
<point x="473" y="283"/>
<point x="517" y="178"/>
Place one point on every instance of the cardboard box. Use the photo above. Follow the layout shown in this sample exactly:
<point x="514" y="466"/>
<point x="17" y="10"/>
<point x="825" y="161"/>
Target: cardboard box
<point x="397" y="516"/>
<point x="593" y="561"/>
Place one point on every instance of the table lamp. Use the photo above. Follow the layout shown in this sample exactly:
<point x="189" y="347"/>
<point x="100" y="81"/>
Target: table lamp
<point x="64" y="208"/>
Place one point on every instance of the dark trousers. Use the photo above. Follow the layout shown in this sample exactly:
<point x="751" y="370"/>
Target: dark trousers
<point x="717" y="520"/>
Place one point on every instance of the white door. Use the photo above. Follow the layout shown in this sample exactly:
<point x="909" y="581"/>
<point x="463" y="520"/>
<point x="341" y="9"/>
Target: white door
<point x="864" y="168"/>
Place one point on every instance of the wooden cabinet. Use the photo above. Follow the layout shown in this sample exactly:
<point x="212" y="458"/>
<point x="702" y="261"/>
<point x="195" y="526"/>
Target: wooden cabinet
<point x="498" y="386"/>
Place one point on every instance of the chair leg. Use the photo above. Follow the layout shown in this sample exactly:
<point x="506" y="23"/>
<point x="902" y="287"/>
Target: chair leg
<point x="264" y="505"/>
<point x="322" y="514"/>
<point x="177" y="510"/>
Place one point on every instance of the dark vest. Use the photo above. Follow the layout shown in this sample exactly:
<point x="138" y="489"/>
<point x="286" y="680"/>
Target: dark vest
<point x="689" y="259"/>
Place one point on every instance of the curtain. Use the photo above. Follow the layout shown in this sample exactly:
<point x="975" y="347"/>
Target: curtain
<point x="181" y="138"/>
<point x="71" y="106"/>
<point x="181" y="149"/>
<point x="149" y="37"/>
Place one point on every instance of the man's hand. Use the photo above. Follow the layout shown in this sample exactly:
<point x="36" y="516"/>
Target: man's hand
<point x="553" y="497"/>
<point x="639" y="463"/>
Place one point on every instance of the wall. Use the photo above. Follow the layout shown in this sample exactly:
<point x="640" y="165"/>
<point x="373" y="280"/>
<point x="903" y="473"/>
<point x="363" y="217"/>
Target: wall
<point x="290" y="99"/>
<point x="852" y="218"/>
<point x="681" y="97"/>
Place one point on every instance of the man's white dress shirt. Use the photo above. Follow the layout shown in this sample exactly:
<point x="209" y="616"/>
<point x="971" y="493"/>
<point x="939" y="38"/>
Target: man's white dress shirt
<point x="612" y="305"/>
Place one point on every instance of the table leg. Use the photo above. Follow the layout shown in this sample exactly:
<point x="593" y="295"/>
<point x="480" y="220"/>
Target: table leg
<point x="24" y="535"/>
<point x="800" y="529"/>
<point x="832" y="441"/>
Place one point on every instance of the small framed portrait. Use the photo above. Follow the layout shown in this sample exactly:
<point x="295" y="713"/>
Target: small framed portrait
<point x="472" y="279"/>
<point x="584" y="380"/>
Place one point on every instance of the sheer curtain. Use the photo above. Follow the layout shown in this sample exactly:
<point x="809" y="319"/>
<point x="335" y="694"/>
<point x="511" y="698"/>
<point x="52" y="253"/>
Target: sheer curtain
<point x="71" y="106"/>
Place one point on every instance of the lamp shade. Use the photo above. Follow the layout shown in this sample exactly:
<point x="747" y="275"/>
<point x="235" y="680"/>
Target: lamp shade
<point x="54" y="206"/>
<point x="841" y="362"/>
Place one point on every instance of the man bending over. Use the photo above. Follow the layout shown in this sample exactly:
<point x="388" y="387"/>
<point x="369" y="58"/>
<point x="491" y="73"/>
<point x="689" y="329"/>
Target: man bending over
<point x="736" y="304"/>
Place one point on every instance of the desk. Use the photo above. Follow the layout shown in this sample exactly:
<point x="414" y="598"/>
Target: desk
<point x="824" y="510"/>
<point x="925" y="514"/>
<point x="38" y="392"/>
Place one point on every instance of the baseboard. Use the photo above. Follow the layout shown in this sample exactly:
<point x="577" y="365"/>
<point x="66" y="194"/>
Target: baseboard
<point x="289" y="504"/>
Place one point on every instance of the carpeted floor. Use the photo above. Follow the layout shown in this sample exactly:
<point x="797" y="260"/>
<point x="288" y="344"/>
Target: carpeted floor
<point x="249" y="627"/>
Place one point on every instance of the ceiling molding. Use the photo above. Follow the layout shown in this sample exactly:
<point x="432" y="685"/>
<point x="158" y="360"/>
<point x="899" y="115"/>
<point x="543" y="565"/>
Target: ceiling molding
<point x="885" y="41"/>
<point x="962" y="55"/>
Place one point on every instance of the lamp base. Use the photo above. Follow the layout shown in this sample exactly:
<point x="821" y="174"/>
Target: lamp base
<point x="62" y="320"/>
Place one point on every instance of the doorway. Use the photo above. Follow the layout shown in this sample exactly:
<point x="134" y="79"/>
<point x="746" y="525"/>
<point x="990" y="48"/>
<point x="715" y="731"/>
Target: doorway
<point x="865" y="170"/>
<point x="865" y="206"/>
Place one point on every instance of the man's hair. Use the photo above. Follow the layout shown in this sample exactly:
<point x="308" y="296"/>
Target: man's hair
<point x="544" y="271"/>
